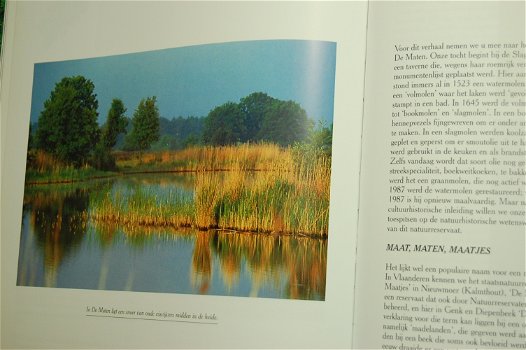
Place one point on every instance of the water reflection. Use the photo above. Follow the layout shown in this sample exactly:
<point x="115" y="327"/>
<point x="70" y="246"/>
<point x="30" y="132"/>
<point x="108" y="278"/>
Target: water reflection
<point x="61" y="246"/>
<point x="201" y="271"/>
<point x="59" y="225"/>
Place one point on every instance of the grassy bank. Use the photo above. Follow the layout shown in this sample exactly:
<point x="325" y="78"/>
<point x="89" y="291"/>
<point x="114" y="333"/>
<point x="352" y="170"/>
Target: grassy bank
<point x="42" y="168"/>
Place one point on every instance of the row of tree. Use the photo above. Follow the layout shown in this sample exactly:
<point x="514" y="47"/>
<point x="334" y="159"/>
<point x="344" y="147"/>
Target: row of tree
<point x="67" y="127"/>
<point x="257" y="117"/>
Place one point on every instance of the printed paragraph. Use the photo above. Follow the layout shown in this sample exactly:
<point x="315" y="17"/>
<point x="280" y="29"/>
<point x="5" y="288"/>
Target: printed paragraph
<point x="429" y="307"/>
<point x="457" y="145"/>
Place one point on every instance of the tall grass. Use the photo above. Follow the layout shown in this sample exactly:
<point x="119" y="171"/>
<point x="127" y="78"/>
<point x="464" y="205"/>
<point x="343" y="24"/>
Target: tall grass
<point x="295" y="202"/>
<point x="143" y="206"/>
<point x="257" y="188"/>
<point x="261" y="156"/>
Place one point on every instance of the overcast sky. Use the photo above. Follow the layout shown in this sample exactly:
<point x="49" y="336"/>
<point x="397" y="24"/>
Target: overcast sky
<point x="190" y="81"/>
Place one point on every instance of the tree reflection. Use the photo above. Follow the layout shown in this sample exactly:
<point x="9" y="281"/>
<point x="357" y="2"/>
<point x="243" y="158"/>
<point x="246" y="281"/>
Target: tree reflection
<point x="302" y="261"/>
<point x="59" y="224"/>
<point x="201" y="263"/>
<point x="307" y="270"/>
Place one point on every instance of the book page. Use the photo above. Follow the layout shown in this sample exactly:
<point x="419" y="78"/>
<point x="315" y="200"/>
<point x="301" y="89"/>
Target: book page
<point x="102" y="263"/>
<point x="441" y="250"/>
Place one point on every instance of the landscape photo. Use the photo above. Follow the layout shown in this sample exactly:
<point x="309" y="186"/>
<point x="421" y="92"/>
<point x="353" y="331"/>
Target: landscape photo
<point x="198" y="170"/>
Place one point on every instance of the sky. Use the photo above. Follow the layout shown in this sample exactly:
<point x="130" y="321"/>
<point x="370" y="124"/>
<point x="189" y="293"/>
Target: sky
<point x="191" y="81"/>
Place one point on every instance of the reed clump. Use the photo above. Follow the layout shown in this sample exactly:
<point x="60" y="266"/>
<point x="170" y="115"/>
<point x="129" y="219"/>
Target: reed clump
<point x="293" y="200"/>
<point x="272" y="203"/>
<point x="143" y="206"/>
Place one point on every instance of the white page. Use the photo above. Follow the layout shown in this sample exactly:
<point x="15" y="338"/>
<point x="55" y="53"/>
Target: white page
<point x="56" y="31"/>
<point x="384" y="255"/>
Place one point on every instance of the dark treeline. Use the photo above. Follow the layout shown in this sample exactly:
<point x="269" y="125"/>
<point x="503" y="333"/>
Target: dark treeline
<point x="67" y="127"/>
<point x="256" y="118"/>
<point x="179" y="133"/>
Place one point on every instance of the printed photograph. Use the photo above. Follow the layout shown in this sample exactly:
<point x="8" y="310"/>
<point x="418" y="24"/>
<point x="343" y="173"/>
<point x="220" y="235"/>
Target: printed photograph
<point x="195" y="170"/>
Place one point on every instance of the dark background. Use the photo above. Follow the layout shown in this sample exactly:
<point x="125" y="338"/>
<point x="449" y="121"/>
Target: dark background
<point x="2" y="7"/>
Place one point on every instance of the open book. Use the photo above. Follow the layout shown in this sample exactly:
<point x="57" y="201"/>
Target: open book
<point x="270" y="175"/>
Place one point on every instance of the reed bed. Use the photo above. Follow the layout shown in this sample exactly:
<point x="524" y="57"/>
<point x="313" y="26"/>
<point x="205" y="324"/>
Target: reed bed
<point x="256" y="156"/>
<point x="271" y="206"/>
<point x="43" y="162"/>
<point x="265" y="189"/>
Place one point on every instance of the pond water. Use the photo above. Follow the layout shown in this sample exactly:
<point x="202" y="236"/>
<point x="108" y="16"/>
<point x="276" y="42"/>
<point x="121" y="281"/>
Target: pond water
<point x="62" y="246"/>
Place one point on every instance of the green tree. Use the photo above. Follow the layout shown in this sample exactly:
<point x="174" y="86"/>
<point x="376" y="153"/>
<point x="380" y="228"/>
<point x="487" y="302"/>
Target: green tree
<point x="165" y="142"/>
<point x="254" y="107"/>
<point x="284" y="123"/>
<point x="321" y="138"/>
<point x="116" y="123"/>
<point x="179" y="133"/>
<point x="318" y="145"/>
<point x="145" y="125"/>
<point x="224" y="125"/>
<point x="67" y="127"/>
